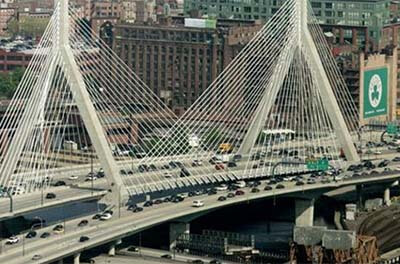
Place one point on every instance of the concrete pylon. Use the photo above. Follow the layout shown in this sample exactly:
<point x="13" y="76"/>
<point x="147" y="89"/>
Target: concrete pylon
<point x="304" y="210"/>
<point x="176" y="229"/>
<point x="77" y="258"/>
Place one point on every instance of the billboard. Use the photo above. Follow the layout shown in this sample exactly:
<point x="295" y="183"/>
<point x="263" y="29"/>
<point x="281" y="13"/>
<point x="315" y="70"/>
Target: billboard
<point x="375" y="92"/>
<point x="200" y="23"/>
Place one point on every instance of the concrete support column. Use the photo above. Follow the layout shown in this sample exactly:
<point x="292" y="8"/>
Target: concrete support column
<point x="341" y="36"/>
<point x="304" y="212"/>
<point x="175" y="230"/>
<point x="77" y="258"/>
<point x="60" y="261"/>
<point x="111" y="250"/>
<point x="386" y="196"/>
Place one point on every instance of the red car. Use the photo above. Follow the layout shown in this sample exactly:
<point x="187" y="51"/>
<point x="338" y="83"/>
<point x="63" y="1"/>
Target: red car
<point x="219" y="166"/>
<point x="239" y="192"/>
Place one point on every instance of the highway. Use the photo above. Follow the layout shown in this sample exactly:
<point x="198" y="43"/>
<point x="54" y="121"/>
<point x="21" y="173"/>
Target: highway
<point x="127" y="223"/>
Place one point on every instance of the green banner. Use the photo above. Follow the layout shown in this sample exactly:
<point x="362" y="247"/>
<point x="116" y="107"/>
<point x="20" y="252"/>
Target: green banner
<point x="375" y="92"/>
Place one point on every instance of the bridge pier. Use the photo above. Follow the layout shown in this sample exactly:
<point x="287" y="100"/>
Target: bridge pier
<point x="360" y="200"/>
<point x="60" y="261"/>
<point x="111" y="250"/>
<point x="77" y="258"/>
<point x="175" y="230"/>
<point x="386" y="196"/>
<point x="304" y="210"/>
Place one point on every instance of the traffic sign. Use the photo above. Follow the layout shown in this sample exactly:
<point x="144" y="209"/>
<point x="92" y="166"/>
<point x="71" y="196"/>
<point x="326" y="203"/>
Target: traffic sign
<point x="318" y="164"/>
<point x="392" y="129"/>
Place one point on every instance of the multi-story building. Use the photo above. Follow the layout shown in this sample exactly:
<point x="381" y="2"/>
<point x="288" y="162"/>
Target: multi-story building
<point x="179" y="62"/>
<point x="371" y="13"/>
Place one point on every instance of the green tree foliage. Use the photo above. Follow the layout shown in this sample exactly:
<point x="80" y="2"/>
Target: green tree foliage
<point x="28" y="26"/>
<point x="9" y="82"/>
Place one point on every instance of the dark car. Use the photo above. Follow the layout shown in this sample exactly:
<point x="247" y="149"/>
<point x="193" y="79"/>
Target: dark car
<point x="143" y="168"/>
<point x="83" y="239"/>
<point x="31" y="234"/>
<point x="96" y="216"/>
<point x="60" y="183"/>
<point x="167" y="199"/>
<point x="84" y="222"/>
<point x="148" y="204"/>
<point x="232" y="187"/>
<point x="272" y="182"/>
<point x="230" y="195"/>
<point x="198" y="261"/>
<point x="212" y="192"/>
<point x="239" y="192"/>
<point x="255" y="190"/>
<point x="231" y="164"/>
<point x="267" y="188"/>
<point x="50" y="196"/>
<point x="191" y="194"/>
<point x="383" y="163"/>
<point x="299" y="183"/>
<point x="222" y="198"/>
<point x="133" y="249"/>
<point x="184" y="172"/>
<point x="166" y="256"/>
<point x="158" y="201"/>
<point x="177" y="199"/>
<point x="137" y="209"/>
<point x="280" y="186"/>
<point x="45" y="235"/>
<point x="58" y="228"/>
<point x="215" y="261"/>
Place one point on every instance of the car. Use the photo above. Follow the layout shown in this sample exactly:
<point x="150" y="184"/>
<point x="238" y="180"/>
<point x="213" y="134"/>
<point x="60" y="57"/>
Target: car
<point x="329" y="181"/>
<point x="133" y="249"/>
<point x="143" y="168"/>
<point x="152" y="167"/>
<point x="219" y="166"/>
<point x="137" y="209"/>
<point x="197" y="261"/>
<point x="198" y="203"/>
<point x="267" y="188"/>
<point x="184" y="173"/>
<point x="232" y="164"/>
<point x="31" y="234"/>
<point x="377" y="152"/>
<point x="212" y="192"/>
<point x="222" y="198"/>
<point x="167" y="199"/>
<point x="60" y="183"/>
<point x="100" y="173"/>
<point x="197" y="163"/>
<point x="240" y="184"/>
<point x="299" y="183"/>
<point x="396" y="159"/>
<point x="148" y="204"/>
<point x="192" y="194"/>
<point x="83" y="239"/>
<point x="12" y="240"/>
<point x="272" y="182"/>
<point x="45" y="235"/>
<point x="58" y="229"/>
<point x="96" y="216"/>
<point x="105" y="216"/>
<point x="239" y="192"/>
<point x="73" y="177"/>
<point x="255" y="190"/>
<point x="166" y="256"/>
<point x="280" y="186"/>
<point x="158" y="201"/>
<point x="311" y="181"/>
<point x="36" y="257"/>
<point x="387" y="170"/>
<point x="231" y="195"/>
<point x="383" y="163"/>
<point x="167" y="175"/>
<point x="50" y="196"/>
<point x="222" y="187"/>
<point x="215" y="261"/>
<point x="84" y="222"/>
<point x="90" y="178"/>
<point x="177" y="199"/>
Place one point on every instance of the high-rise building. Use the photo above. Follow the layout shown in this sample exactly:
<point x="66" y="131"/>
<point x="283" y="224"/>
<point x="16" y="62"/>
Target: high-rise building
<point x="179" y="58"/>
<point x="371" y="13"/>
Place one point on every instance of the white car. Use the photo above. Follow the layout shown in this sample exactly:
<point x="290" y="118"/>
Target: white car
<point x="197" y="163"/>
<point x="167" y="175"/>
<point x="12" y="240"/>
<point x="106" y="216"/>
<point x="222" y="187"/>
<point x="377" y="152"/>
<point x="240" y="184"/>
<point x="198" y="203"/>
<point x="91" y="178"/>
<point x="73" y="177"/>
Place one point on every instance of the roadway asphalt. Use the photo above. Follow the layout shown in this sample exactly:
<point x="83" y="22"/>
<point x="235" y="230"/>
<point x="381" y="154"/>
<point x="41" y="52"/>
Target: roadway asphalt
<point x="128" y="223"/>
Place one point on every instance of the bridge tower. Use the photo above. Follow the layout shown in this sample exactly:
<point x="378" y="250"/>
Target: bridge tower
<point x="304" y="41"/>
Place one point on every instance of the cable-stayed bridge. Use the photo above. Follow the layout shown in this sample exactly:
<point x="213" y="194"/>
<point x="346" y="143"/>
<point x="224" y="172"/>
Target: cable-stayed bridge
<point x="280" y="108"/>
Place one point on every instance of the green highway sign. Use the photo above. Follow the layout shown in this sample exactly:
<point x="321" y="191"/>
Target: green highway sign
<point x="318" y="164"/>
<point x="375" y="92"/>
<point x="392" y="129"/>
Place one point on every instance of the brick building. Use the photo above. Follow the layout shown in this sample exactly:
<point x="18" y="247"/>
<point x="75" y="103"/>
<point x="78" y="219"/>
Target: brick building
<point x="179" y="62"/>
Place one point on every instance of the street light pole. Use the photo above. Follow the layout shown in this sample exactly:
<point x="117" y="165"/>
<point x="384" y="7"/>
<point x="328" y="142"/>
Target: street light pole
<point x="91" y="170"/>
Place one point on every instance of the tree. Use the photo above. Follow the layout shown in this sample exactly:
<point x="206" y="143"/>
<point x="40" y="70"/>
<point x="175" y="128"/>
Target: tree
<point x="9" y="82"/>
